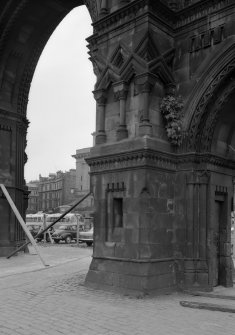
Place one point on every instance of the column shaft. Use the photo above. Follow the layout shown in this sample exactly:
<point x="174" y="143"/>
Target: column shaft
<point x="122" y="112"/>
<point x="100" y="97"/>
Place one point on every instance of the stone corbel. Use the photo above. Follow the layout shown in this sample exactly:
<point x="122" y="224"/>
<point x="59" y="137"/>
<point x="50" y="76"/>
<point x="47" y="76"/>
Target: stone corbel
<point x="103" y="9"/>
<point x="120" y="93"/>
<point x="143" y="86"/>
<point x="101" y="99"/>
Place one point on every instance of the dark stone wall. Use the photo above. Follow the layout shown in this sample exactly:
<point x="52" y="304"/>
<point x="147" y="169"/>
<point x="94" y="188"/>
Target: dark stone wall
<point x="158" y="204"/>
<point x="170" y="192"/>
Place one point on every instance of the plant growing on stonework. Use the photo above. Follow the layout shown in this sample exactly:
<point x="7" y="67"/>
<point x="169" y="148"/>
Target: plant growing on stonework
<point x="171" y="108"/>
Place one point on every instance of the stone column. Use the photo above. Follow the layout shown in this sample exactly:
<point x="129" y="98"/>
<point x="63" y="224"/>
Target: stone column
<point x="120" y="92"/>
<point x="204" y="178"/>
<point x="144" y="84"/>
<point x="13" y="129"/>
<point x="101" y="98"/>
<point x="196" y="268"/>
<point x="233" y="193"/>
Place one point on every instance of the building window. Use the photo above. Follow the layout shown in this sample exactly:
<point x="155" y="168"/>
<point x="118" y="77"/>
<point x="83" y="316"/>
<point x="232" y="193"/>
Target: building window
<point x="117" y="212"/>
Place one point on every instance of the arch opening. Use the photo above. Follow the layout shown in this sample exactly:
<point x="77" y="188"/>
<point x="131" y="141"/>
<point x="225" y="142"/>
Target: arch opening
<point x="61" y="106"/>
<point x="27" y="26"/>
<point x="215" y="130"/>
<point x="223" y="141"/>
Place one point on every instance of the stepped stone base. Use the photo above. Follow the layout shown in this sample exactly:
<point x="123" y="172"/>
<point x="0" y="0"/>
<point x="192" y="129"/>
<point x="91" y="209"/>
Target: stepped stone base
<point x="133" y="276"/>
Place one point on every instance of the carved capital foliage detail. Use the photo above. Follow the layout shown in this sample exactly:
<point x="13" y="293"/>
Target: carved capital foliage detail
<point x="100" y="96"/>
<point x="144" y="83"/>
<point x="120" y="91"/>
<point x="120" y="95"/>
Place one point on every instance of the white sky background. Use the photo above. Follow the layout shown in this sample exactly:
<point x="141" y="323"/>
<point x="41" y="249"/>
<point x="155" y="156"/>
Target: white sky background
<point x="61" y="107"/>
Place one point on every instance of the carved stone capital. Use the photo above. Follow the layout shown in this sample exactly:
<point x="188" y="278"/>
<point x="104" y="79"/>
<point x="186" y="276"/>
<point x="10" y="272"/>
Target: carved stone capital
<point x="120" y="91"/>
<point x="100" y="96"/>
<point x="120" y="95"/>
<point x="144" y="83"/>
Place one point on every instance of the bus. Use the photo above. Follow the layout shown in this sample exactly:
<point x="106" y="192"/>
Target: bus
<point x="72" y="219"/>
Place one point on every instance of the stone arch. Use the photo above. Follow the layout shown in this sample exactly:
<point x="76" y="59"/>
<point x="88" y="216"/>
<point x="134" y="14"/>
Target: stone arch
<point x="215" y="78"/>
<point x="214" y="114"/>
<point x="25" y="27"/>
<point x="22" y="43"/>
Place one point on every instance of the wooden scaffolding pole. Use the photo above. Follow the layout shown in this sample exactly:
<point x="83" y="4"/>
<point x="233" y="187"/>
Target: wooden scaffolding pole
<point x="22" y="223"/>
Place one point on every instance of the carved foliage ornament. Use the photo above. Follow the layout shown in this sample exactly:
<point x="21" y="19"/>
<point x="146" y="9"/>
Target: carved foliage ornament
<point x="171" y="108"/>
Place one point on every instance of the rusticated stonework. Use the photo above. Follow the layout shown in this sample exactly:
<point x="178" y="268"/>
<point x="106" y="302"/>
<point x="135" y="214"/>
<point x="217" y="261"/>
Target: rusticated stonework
<point x="162" y="219"/>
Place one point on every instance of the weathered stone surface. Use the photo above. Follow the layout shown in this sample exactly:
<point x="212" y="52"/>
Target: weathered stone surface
<point x="162" y="188"/>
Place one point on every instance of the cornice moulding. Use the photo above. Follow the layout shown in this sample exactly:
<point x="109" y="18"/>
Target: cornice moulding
<point x="132" y="9"/>
<point x="149" y="158"/>
<point x="200" y="10"/>
<point x="175" y="20"/>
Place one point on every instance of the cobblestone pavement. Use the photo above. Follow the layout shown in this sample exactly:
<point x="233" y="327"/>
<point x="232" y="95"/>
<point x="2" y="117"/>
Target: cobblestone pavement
<point x="55" y="301"/>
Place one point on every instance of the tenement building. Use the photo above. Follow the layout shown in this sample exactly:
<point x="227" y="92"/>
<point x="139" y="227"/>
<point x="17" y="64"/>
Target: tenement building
<point x="83" y="182"/>
<point x="33" y="205"/>
<point x="82" y="170"/>
<point x="57" y="189"/>
<point x="162" y="167"/>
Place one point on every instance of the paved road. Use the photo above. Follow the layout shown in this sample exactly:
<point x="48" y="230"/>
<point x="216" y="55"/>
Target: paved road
<point x="55" y="301"/>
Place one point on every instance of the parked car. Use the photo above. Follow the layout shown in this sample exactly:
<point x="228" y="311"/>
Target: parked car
<point x="65" y="233"/>
<point x="87" y="236"/>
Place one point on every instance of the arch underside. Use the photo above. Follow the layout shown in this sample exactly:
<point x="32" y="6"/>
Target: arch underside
<point x="214" y="109"/>
<point x="216" y="127"/>
<point x="26" y="28"/>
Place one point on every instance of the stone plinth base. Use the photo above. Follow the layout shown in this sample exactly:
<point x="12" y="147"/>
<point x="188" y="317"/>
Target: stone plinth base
<point x="145" y="128"/>
<point x="122" y="132"/>
<point x="132" y="276"/>
<point x="100" y="138"/>
<point x="7" y="248"/>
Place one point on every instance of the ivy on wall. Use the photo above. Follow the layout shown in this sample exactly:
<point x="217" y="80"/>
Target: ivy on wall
<point x="171" y="108"/>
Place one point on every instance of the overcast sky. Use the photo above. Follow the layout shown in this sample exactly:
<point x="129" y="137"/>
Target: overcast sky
<point x="61" y="107"/>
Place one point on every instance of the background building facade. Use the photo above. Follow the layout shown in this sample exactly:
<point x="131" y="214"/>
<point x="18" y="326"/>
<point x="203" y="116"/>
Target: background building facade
<point x="33" y="197"/>
<point x="82" y="170"/>
<point x="162" y="170"/>
<point x="57" y="189"/>
<point x="83" y="181"/>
